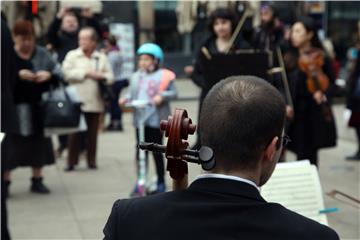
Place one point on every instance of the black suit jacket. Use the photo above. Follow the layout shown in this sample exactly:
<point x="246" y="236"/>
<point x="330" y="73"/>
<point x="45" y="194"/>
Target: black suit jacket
<point x="210" y="208"/>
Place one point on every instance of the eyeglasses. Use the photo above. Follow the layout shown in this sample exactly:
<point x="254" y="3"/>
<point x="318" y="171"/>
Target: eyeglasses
<point x="284" y="140"/>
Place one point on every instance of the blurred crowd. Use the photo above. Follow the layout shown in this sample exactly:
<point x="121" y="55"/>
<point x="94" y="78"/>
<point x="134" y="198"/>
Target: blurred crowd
<point x="73" y="49"/>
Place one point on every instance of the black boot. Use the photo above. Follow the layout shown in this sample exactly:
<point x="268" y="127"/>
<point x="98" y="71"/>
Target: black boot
<point x="37" y="186"/>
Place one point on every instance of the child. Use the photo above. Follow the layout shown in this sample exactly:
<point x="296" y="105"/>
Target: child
<point x="154" y="85"/>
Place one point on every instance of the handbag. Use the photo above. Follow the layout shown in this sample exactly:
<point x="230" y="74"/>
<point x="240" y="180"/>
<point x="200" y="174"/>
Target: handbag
<point x="82" y="127"/>
<point x="59" y="112"/>
<point x="106" y="92"/>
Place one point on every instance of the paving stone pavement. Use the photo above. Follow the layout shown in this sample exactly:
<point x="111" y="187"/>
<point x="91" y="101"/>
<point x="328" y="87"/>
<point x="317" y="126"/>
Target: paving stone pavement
<point x="80" y="201"/>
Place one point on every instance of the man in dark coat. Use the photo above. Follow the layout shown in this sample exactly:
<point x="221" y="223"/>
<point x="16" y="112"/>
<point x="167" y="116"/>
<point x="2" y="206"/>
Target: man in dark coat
<point x="246" y="134"/>
<point x="8" y="112"/>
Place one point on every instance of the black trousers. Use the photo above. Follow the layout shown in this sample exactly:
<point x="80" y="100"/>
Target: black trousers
<point x="357" y="129"/>
<point x="152" y="135"/>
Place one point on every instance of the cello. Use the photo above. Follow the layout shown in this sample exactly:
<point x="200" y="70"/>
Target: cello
<point x="177" y="129"/>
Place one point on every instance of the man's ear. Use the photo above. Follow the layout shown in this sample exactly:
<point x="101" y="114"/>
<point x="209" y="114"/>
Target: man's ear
<point x="271" y="149"/>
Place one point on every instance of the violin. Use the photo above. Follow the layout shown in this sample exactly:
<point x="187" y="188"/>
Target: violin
<point x="177" y="129"/>
<point x="311" y="62"/>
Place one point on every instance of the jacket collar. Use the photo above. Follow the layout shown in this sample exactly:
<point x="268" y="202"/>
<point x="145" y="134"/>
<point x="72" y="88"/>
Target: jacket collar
<point x="226" y="187"/>
<point x="80" y="53"/>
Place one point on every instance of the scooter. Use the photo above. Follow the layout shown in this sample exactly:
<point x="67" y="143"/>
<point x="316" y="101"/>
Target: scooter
<point x="143" y="186"/>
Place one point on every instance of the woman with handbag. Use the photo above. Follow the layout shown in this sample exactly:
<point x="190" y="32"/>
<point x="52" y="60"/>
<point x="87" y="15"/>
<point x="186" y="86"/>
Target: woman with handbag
<point x="37" y="71"/>
<point x="312" y="82"/>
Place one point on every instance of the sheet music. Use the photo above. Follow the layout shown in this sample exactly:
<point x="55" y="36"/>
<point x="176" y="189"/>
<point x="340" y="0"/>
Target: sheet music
<point x="296" y="186"/>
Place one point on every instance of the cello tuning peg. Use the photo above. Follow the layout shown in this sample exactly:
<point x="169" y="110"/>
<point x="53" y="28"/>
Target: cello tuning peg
<point x="207" y="159"/>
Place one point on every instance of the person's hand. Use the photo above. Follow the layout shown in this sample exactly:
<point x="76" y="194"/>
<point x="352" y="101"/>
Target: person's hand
<point x="62" y="12"/>
<point x="122" y="102"/>
<point x="87" y="12"/>
<point x="42" y="76"/>
<point x="319" y="97"/>
<point x="158" y="100"/>
<point x="188" y="70"/>
<point x="27" y="75"/>
<point x="289" y="112"/>
<point x="95" y="75"/>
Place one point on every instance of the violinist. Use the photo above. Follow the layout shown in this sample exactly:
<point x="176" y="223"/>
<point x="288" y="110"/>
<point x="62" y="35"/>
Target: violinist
<point x="222" y="24"/>
<point x="312" y="82"/>
<point x="246" y="137"/>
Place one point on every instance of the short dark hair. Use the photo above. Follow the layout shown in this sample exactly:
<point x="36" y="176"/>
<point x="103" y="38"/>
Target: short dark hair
<point x="94" y="34"/>
<point x="223" y="13"/>
<point x="239" y="118"/>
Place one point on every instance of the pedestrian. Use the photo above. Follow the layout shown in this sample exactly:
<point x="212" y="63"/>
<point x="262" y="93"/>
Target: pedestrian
<point x="9" y="120"/>
<point x="116" y="61"/>
<point x="37" y="72"/>
<point x="84" y="68"/>
<point x="62" y="37"/>
<point x="155" y="85"/>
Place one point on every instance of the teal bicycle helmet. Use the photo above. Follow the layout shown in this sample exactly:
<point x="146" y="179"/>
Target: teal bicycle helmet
<point x="153" y="50"/>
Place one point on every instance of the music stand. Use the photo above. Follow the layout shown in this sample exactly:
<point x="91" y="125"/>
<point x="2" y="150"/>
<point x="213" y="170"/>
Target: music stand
<point x="221" y="66"/>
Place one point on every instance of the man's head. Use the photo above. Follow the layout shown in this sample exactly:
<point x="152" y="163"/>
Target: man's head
<point x="69" y="23"/>
<point x="88" y="39"/>
<point x="267" y="15"/>
<point x="242" y="120"/>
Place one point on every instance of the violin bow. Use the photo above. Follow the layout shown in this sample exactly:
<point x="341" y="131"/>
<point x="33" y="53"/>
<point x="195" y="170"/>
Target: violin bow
<point x="284" y="77"/>
<point x="237" y="31"/>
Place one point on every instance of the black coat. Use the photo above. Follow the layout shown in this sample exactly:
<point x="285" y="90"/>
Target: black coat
<point x="9" y="78"/>
<point x="307" y="130"/>
<point x="210" y="208"/>
<point x="353" y="102"/>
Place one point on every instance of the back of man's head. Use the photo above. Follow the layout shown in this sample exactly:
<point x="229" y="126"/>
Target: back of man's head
<point x="240" y="117"/>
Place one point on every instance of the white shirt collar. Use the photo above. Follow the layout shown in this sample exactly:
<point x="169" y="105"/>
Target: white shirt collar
<point x="230" y="177"/>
